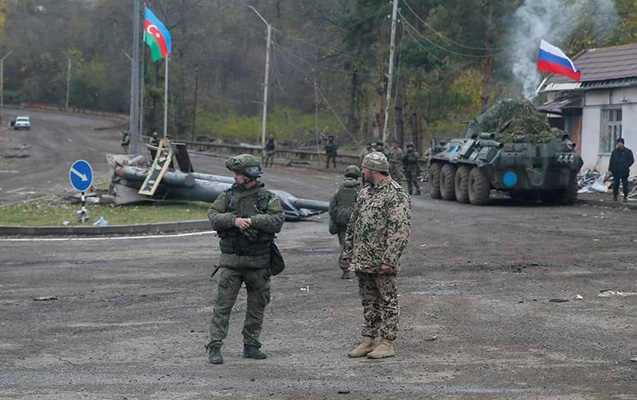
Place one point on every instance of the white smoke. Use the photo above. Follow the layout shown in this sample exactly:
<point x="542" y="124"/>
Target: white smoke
<point x="551" y="20"/>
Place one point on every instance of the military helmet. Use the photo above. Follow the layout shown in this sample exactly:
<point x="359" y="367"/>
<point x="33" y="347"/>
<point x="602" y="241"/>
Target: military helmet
<point x="376" y="161"/>
<point x="245" y="164"/>
<point x="410" y="144"/>
<point x="154" y="134"/>
<point x="352" y="171"/>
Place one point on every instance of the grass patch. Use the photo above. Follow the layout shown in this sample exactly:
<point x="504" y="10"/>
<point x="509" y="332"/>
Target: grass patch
<point x="53" y="211"/>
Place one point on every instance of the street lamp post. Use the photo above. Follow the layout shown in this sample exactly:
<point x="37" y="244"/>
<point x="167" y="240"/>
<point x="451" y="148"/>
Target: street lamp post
<point x="68" y="80"/>
<point x="2" y="83"/>
<point x="265" y="84"/>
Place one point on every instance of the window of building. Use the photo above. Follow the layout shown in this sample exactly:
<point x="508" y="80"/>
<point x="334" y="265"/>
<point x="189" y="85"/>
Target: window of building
<point x="611" y="129"/>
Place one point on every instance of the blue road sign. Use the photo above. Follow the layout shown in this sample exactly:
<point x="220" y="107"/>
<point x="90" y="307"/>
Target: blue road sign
<point x="81" y="175"/>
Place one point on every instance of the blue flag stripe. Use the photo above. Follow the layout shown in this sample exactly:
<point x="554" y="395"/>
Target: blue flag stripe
<point x="162" y="28"/>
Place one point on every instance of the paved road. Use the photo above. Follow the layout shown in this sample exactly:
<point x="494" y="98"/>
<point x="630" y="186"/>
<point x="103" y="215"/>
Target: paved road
<point x="131" y="316"/>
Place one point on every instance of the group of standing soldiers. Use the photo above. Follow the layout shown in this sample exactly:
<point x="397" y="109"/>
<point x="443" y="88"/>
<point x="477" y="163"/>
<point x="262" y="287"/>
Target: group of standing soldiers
<point x="399" y="162"/>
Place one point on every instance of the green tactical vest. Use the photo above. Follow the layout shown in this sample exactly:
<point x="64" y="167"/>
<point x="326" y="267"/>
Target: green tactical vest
<point x="345" y="199"/>
<point x="244" y="205"/>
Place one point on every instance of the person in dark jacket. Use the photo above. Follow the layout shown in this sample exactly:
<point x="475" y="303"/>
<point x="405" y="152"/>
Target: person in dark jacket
<point x="620" y="161"/>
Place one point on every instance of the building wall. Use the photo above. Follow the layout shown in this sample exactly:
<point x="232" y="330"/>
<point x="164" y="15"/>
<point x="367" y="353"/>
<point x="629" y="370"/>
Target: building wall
<point x="594" y="102"/>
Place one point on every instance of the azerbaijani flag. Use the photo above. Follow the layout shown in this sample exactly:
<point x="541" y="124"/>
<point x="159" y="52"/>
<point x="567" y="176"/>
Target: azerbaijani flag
<point x="552" y="59"/>
<point x="156" y="36"/>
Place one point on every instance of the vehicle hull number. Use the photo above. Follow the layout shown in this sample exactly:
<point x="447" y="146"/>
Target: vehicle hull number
<point x="566" y="158"/>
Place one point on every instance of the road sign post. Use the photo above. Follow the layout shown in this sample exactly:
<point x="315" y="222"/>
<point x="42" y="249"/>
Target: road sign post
<point x="81" y="177"/>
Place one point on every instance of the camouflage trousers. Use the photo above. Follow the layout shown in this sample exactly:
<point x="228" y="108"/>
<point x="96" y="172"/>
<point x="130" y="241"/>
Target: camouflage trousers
<point x="412" y="180"/>
<point x="258" y="288"/>
<point x="341" y="262"/>
<point x="395" y="171"/>
<point x="327" y="161"/>
<point x="269" y="157"/>
<point x="379" y="296"/>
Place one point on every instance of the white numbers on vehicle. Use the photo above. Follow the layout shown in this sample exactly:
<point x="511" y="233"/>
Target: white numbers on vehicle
<point x="566" y="158"/>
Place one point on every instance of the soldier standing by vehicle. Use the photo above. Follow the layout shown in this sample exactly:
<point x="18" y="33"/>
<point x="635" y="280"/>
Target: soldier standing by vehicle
<point x="395" y="157"/>
<point x="376" y="236"/>
<point x="331" y="151"/>
<point x="412" y="168"/>
<point x="341" y="208"/>
<point x="270" y="150"/>
<point x="125" y="142"/>
<point x="246" y="217"/>
<point x="620" y="161"/>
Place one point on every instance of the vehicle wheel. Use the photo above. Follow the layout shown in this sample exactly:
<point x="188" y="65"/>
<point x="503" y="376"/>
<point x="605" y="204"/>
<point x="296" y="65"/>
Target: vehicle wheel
<point x="462" y="183"/>
<point x="479" y="187"/>
<point x="434" y="180"/>
<point x="568" y="196"/>
<point x="447" y="182"/>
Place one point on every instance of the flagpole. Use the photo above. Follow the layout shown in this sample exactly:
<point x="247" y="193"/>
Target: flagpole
<point x="537" y="91"/>
<point x="166" y="99"/>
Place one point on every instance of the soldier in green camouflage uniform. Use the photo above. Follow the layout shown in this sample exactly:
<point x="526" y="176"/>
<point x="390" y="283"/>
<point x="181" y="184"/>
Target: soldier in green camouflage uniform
<point x="246" y="218"/>
<point x="341" y="208"/>
<point x="331" y="151"/>
<point x="412" y="168"/>
<point x="395" y="158"/>
<point x="376" y="236"/>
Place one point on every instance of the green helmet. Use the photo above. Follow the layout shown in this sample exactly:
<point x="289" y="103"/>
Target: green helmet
<point x="352" y="171"/>
<point x="410" y="144"/>
<point x="376" y="161"/>
<point x="245" y="164"/>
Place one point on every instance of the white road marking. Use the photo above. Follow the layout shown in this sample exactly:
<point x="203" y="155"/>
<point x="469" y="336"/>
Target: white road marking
<point x="9" y="171"/>
<point x="92" y="239"/>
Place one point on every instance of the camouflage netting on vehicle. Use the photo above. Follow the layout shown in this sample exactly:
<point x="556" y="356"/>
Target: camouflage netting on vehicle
<point x="517" y="121"/>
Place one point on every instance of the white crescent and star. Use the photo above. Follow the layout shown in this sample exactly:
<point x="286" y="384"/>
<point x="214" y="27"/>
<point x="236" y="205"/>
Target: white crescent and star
<point x="156" y="33"/>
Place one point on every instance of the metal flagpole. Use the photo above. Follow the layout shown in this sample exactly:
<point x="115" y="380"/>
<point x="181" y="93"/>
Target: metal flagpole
<point x="166" y="99"/>
<point x="265" y="83"/>
<point x="135" y="145"/>
<point x="392" y="49"/>
<point x="141" y="98"/>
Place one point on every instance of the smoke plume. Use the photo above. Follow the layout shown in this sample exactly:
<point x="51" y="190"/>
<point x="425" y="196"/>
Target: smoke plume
<point x="553" y="21"/>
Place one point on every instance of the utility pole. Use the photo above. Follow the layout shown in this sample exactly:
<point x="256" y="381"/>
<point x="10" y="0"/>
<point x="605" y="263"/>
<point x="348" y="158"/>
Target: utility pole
<point x="265" y="83"/>
<point x="68" y="81"/>
<point x="135" y="146"/>
<point x="194" y="113"/>
<point x="2" y="83"/>
<point x="392" y="49"/>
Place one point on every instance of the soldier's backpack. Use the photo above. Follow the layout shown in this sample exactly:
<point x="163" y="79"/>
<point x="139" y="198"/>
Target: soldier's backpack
<point x="345" y="199"/>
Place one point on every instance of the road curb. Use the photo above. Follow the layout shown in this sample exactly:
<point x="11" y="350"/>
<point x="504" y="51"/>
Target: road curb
<point x="203" y="224"/>
<point x="609" y="204"/>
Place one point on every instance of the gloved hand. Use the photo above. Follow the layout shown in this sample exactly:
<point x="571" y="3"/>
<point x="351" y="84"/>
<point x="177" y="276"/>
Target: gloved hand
<point x="251" y="233"/>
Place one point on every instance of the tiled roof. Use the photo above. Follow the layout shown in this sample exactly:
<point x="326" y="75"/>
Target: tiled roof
<point x="604" y="64"/>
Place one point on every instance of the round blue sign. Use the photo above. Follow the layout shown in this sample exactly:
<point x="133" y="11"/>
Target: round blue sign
<point x="510" y="178"/>
<point x="81" y="175"/>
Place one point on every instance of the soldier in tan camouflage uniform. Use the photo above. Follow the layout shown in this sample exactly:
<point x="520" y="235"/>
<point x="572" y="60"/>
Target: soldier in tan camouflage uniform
<point x="395" y="157"/>
<point x="376" y="236"/>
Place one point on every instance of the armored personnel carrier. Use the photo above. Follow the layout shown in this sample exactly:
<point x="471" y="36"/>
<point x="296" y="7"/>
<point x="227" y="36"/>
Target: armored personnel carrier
<point x="510" y="148"/>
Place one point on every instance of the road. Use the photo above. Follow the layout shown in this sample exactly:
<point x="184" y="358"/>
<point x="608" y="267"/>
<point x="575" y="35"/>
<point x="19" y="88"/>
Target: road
<point x="477" y="321"/>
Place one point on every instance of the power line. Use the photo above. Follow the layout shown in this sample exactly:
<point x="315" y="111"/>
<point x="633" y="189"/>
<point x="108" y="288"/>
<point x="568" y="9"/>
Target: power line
<point x="443" y="36"/>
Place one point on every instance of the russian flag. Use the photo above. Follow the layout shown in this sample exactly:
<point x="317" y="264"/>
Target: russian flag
<point x="553" y="60"/>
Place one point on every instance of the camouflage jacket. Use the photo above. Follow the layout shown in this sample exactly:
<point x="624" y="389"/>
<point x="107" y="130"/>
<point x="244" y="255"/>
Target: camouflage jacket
<point x="250" y="248"/>
<point x="410" y="161"/>
<point x="331" y="149"/>
<point x="379" y="228"/>
<point x="395" y="156"/>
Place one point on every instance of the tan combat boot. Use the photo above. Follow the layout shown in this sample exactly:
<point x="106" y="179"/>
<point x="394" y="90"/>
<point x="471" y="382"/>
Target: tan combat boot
<point x="385" y="349"/>
<point x="366" y="347"/>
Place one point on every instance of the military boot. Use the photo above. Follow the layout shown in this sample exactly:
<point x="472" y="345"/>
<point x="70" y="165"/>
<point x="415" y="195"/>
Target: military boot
<point x="346" y="274"/>
<point x="253" y="352"/>
<point x="214" y="355"/>
<point x="385" y="349"/>
<point x="366" y="347"/>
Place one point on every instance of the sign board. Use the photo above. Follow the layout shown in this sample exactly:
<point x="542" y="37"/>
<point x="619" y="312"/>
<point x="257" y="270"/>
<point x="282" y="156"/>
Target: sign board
<point x="81" y="175"/>
<point x="158" y="169"/>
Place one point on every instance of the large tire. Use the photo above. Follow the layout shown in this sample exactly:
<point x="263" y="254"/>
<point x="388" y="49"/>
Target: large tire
<point x="447" y="182"/>
<point x="479" y="187"/>
<point x="434" y="181"/>
<point x="568" y="196"/>
<point x="462" y="183"/>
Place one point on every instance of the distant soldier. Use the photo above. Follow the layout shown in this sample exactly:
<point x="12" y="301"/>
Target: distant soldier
<point x="412" y="168"/>
<point x="365" y="152"/>
<point x="620" y="161"/>
<point x="270" y="150"/>
<point x="341" y="208"/>
<point x="125" y="142"/>
<point x="380" y="147"/>
<point x="246" y="217"/>
<point x="154" y="140"/>
<point x="376" y="236"/>
<point x="331" y="151"/>
<point x="395" y="158"/>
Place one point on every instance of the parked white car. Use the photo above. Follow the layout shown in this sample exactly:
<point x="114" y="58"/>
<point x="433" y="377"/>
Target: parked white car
<point x="22" y="123"/>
